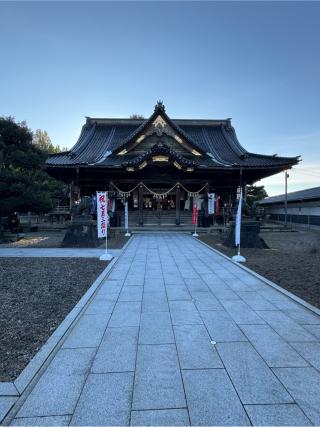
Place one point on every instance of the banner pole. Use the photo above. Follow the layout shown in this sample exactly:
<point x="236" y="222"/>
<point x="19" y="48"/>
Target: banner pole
<point x="126" y="219"/>
<point x="237" y="231"/>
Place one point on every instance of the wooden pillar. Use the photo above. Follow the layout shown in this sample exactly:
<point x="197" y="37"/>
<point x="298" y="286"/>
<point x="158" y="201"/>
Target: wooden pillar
<point x="241" y="179"/>
<point x="141" y="205"/>
<point x="208" y="191"/>
<point x="71" y="189"/>
<point x="78" y="183"/>
<point x="178" y="205"/>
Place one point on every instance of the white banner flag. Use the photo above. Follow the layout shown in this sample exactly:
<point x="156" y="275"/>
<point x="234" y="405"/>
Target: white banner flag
<point x="238" y="222"/>
<point x="102" y="213"/>
<point x="211" y="199"/>
<point x="126" y="216"/>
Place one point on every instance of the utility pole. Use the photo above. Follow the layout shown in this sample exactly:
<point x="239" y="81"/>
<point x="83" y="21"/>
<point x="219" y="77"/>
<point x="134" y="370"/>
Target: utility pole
<point x="286" y="198"/>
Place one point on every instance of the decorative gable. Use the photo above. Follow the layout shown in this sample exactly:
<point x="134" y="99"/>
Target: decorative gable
<point x="159" y="124"/>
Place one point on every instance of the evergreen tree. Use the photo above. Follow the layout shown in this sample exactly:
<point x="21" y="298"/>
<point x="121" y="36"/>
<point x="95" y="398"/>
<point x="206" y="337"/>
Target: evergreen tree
<point x="137" y="116"/>
<point x="255" y="193"/>
<point x="24" y="185"/>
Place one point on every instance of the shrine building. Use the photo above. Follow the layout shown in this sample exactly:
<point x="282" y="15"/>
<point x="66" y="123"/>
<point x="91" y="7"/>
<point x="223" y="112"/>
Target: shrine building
<point x="161" y="165"/>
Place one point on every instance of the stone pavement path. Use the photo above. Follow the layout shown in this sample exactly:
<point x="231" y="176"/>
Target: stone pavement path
<point x="56" y="252"/>
<point x="179" y="335"/>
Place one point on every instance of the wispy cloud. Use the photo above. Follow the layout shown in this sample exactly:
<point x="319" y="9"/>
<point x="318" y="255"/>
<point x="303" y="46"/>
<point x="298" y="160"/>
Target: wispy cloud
<point x="306" y="175"/>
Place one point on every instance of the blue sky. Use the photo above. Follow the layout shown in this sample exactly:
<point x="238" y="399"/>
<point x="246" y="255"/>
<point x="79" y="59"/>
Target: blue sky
<point x="256" y="62"/>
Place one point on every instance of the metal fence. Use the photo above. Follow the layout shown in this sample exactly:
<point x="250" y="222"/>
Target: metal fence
<point x="297" y="219"/>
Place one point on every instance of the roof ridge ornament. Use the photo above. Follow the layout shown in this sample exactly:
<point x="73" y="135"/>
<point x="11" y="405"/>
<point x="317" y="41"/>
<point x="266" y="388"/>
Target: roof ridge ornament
<point x="160" y="106"/>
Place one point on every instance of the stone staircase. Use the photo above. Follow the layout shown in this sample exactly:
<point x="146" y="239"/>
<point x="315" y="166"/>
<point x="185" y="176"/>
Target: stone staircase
<point x="163" y="218"/>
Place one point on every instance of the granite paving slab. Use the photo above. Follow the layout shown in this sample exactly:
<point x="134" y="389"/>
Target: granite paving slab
<point x="277" y="415"/>
<point x="251" y="377"/>
<point x="196" y="284"/>
<point x="131" y="293"/>
<point x="212" y="400"/>
<point x="62" y="420"/>
<point x="59" y="388"/>
<point x="105" y="400"/>
<point x="302" y="315"/>
<point x="275" y="350"/>
<point x="304" y="386"/>
<point x="117" y="351"/>
<point x="221" y="326"/>
<point x="225" y="295"/>
<point x="126" y="314"/>
<point x="286" y="327"/>
<point x="8" y="389"/>
<point x="154" y="285"/>
<point x="242" y="313"/>
<point x="160" y="417"/>
<point x="314" y="329"/>
<point x="182" y="317"/>
<point x="178" y="292"/>
<point x="205" y="301"/>
<point x="182" y="306"/>
<point x="101" y="305"/>
<point x="310" y="351"/>
<point x="6" y="403"/>
<point x="154" y="301"/>
<point x="194" y="346"/>
<point x="88" y="332"/>
<point x="156" y="328"/>
<point x="256" y="301"/>
<point x="110" y="287"/>
<point x="158" y="383"/>
<point x="173" y="279"/>
<point x="237" y="285"/>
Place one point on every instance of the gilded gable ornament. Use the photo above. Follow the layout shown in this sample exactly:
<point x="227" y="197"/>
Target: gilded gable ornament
<point x="159" y="121"/>
<point x="159" y="126"/>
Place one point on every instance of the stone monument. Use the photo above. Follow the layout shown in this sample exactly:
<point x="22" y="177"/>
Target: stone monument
<point x="82" y="232"/>
<point x="250" y="238"/>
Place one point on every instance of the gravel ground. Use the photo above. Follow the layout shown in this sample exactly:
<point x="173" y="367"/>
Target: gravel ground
<point x="36" y="294"/>
<point x="53" y="239"/>
<point x="292" y="261"/>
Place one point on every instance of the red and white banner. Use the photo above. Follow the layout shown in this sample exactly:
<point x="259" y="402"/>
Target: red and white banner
<point x="102" y="213"/>
<point x="195" y="214"/>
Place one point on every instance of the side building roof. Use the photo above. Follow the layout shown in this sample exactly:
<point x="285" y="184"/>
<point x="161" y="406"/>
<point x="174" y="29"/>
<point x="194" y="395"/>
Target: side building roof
<point x="295" y="196"/>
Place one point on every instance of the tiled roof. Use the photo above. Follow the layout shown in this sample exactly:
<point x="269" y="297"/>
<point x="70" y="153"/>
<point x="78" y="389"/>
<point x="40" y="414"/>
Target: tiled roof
<point x="309" y="194"/>
<point x="215" y="139"/>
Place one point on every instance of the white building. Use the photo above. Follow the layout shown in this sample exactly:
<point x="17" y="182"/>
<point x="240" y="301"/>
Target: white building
<point x="303" y="206"/>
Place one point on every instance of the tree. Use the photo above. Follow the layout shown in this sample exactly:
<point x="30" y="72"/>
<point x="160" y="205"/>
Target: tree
<point x="255" y="193"/>
<point x="24" y="185"/>
<point x="137" y="116"/>
<point x="42" y="140"/>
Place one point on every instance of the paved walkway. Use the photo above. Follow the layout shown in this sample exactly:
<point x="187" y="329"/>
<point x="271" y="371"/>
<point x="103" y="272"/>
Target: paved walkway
<point x="56" y="252"/>
<point x="178" y="335"/>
